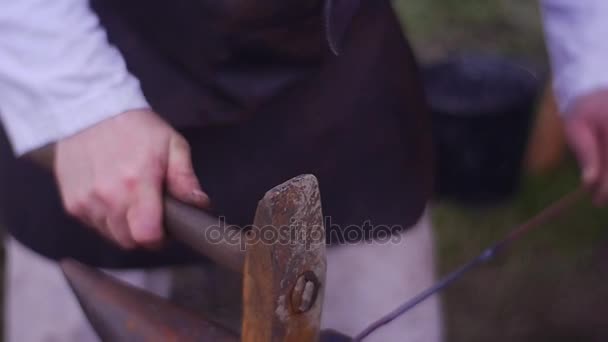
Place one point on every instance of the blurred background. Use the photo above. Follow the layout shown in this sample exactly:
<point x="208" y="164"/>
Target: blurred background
<point x="485" y="67"/>
<point x="553" y="284"/>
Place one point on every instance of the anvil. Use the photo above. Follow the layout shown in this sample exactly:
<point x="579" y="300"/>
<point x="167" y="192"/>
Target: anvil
<point x="283" y="278"/>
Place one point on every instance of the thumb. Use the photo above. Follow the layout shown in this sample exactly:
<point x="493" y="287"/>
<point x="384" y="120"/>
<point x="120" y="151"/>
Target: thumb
<point x="584" y="141"/>
<point x="182" y="182"/>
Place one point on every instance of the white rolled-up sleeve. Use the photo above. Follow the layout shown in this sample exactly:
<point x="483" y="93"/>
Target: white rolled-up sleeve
<point x="577" y="40"/>
<point x="58" y="73"/>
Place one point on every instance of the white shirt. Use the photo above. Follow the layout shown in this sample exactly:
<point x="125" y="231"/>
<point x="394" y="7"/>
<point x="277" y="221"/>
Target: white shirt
<point x="59" y="74"/>
<point x="577" y="40"/>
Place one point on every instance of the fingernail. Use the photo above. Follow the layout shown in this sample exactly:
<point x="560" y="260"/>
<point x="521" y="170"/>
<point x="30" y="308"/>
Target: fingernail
<point x="200" y="197"/>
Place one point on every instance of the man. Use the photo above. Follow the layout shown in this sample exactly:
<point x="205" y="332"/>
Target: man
<point x="215" y="103"/>
<point x="233" y="97"/>
<point x="575" y="31"/>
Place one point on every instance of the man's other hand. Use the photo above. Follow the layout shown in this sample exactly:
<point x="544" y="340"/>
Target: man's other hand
<point x="112" y="176"/>
<point x="587" y="132"/>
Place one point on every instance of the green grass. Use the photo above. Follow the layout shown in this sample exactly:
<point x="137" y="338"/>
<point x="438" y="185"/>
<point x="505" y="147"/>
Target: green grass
<point x="552" y="285"/>
<point x="440" y="27"/>
<point x="575" y="231"/>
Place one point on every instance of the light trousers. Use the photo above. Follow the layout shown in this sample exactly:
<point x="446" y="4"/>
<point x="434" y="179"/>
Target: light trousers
<point x="364" y="282"/>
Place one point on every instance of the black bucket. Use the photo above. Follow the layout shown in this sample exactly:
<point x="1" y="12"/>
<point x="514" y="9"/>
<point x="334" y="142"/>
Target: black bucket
<point x="482" y="109"/>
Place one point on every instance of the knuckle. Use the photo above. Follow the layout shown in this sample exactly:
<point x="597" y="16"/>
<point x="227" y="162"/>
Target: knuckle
<point x="103" y="192"/>
<point x="157" y="168"/>
<point x="123" y="181"/>
<point x="129" y="180"/>
<point x="75" y="206"/>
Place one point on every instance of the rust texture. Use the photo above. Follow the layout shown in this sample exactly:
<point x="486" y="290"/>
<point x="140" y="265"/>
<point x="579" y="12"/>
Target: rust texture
<point x="276" y="306"/>
<point x="119" y="312"/>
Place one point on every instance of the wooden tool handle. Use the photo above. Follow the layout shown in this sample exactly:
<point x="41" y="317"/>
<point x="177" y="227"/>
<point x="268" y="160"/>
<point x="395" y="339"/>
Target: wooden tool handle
<point x="191" y="226"/>
<point x="205" y="234"/>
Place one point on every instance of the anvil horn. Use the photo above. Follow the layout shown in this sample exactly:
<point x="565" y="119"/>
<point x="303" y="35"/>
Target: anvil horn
<point x="119" y="312"/>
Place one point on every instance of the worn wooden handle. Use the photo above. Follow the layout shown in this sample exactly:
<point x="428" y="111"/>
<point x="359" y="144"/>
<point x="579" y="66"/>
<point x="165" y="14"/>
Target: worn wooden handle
<point x="194" y="227"/>
<point x="205" y="233"/>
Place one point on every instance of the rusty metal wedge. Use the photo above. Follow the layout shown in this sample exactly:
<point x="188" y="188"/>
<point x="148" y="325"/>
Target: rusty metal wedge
<point x="285" y="267"/>
<point x="119" y="312"/>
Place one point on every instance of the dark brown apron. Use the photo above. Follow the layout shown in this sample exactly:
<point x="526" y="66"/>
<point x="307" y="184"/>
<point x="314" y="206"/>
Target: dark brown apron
<point x="255" y="89"/>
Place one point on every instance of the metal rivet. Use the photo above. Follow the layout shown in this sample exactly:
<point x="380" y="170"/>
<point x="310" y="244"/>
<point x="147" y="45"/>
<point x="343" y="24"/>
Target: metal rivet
<point x="304" y="293"/>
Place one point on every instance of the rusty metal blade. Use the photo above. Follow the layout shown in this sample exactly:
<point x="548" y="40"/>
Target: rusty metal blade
<point x="119" y="312"/>
<point x="284" y="275"/>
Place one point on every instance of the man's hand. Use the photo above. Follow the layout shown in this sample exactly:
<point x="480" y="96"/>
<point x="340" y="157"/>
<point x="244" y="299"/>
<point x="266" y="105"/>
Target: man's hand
<point x="587" y="132"/>
<point x="112" y="176"/>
